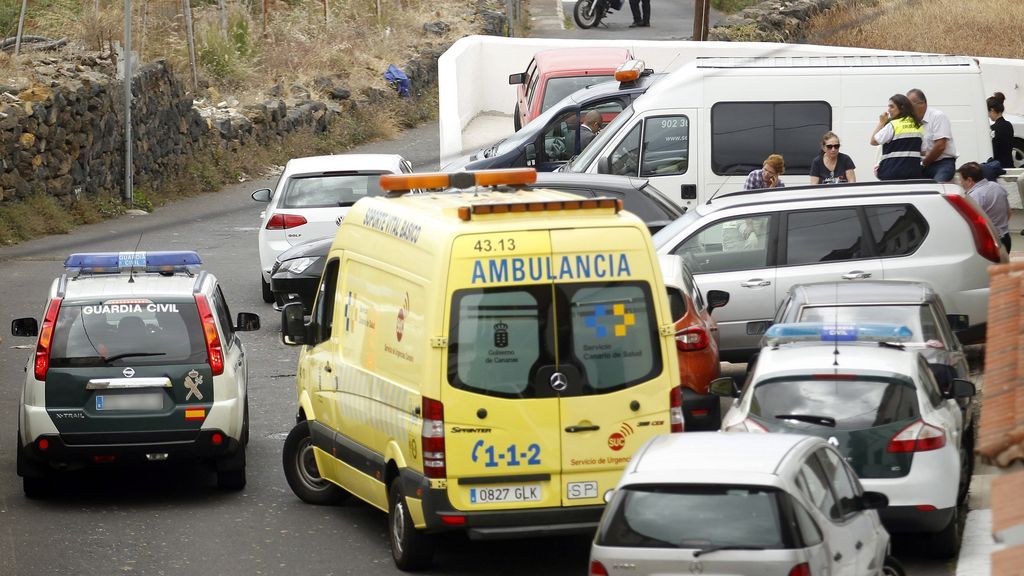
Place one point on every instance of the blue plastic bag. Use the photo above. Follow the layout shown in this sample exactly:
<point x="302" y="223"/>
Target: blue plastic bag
<point x="398" y="79"/>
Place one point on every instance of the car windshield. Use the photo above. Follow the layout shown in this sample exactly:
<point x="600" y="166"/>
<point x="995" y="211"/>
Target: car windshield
<point x="694" y="516"/>
<point x="128" y="331"/>
<point x="853" y="404"/>
<point x="330" y="190"/>
<point x="919" y="318"/>
<point x="559" y="88"/>
<point x="670" y="232"/>
<point x="591" y="152"/>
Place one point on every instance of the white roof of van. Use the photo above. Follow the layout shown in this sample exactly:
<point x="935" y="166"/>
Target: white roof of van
<point x="845" y="61"/>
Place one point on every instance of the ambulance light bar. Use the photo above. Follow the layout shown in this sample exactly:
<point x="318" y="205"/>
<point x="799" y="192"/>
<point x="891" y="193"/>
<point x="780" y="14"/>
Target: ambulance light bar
<point x="467" y="212"/>
<point x="436" y="180"/>
<point x="119" y="262"/>
<point x="629" y="71"/>
<point x="826" y="332"/>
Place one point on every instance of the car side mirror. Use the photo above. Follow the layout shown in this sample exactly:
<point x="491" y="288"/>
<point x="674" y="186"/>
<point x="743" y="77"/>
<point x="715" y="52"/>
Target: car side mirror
<point x="962" y="389"/>
<point x="24" y="327"/>
<point x="717" y="299"/>
<point x="262" y="195"/>
<point x="294" y="329"/>
<point x="531" y="154"/>
<point x="247" y="322"/>
<point x="958" y="322"/>
<point x="724" y="387"/>
<point x="871" y="501"/>
<point x="604" y="165"/>
<point x="519" y="78"/>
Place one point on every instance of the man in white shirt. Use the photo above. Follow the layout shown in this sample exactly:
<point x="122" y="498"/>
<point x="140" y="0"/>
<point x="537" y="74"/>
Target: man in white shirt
<point x="990" y="196"/>
<point x="937" y="147"/>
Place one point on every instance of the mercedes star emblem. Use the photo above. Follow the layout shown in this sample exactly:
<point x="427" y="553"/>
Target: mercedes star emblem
<point x="558" y="382"/>
<point x="696" y="567"/>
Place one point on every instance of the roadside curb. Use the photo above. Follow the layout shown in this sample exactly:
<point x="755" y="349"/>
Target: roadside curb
<point x="977" y="547"/>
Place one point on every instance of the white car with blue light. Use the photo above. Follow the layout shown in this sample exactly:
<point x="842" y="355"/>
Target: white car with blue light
<point x="878" y="403"/>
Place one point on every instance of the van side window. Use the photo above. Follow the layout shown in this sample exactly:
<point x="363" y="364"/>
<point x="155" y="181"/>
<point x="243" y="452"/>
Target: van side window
<point x="323" y="311"/>
<point x="734" y="244"/>
<point x="897" y="230"/>
<point x="666" y="146"/>
<point x="823" y="236"/>
<point x="625" y="158"/>
<point x="743" y="134"/>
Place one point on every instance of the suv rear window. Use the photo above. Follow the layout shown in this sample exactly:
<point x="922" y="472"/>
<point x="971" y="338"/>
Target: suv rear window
<point x="854" y="404"/>
<point x="140" y="332"/>
<point x="330" y="191"/>
<point x="508" y="341"/>
<point x="897" y="230"/>
<point x="695" y="516"/>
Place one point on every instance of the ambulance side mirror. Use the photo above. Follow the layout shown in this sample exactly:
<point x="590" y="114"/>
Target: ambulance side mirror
<point x="25" y="327"/>
<point x="294" y="331"/>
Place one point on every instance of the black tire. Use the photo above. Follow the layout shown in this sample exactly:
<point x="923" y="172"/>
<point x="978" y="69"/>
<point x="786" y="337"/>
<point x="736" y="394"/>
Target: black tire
<point x="36" y="487"/>
<point x="301" y="472"/>
<point x="515" y="119"/>
<point x="1018" y="153"/>
<point x="893" y="567"/>
<point x="945" y="544"/>
<point x="585" y="13"/>
<point x="411" y="549"/>
<point x="268" y="294"/>
<point x="966" y="465"/>
<point x="231" y="479"/>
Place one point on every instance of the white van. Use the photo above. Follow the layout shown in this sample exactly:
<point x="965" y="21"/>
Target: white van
<point x="740" y="110"/>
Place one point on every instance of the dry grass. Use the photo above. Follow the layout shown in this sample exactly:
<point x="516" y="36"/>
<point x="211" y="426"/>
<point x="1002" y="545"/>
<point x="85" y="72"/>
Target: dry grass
<point x="970" y="27"/>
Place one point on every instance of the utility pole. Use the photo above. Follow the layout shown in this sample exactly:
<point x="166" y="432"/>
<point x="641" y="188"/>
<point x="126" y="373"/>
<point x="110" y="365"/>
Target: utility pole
<point x="126" y="61"/>
<point x="21" y="27"/>
<point x="701" y="15"/>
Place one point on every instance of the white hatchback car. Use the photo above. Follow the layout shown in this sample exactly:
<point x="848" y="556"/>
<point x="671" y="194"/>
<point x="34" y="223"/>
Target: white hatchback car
<point x="312" y="196"/>
<point x="711" y="503"/>
<point x="878" y="403"/>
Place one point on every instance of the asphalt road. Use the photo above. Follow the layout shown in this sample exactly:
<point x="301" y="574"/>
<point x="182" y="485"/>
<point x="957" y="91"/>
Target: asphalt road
<point x="670" y="20"/>
<point x="168" y="520"/>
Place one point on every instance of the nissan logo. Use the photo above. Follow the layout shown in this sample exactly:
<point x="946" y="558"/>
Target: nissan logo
<point x="558" y="382"/>
<point x="128" y="372"/>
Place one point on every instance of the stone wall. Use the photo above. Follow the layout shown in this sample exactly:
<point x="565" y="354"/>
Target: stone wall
<point x="771" y="21"/>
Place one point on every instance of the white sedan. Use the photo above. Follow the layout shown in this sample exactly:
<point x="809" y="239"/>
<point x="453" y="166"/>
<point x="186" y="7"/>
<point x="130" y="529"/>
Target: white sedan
<point x="312" y="197"/>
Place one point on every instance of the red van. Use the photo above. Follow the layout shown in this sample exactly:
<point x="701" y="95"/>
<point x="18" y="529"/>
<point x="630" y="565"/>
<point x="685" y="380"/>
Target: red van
<point x="554" y="74"/>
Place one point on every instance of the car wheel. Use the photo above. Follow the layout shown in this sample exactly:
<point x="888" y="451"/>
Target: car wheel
<point x="268" y="294"/>
<point x="1018" y="153"/>
<point x="966" y="464"/>
<point x="411" y="549"/>
<point x="945" y="544"/>
<point x="36" y="487"/>
<point x="231" y="479"/>
<point x="302" y="473"/>
<point x="893" y="567"/>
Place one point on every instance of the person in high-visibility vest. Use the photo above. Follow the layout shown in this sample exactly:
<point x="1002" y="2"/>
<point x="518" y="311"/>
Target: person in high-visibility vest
<point x="899" y="133"/>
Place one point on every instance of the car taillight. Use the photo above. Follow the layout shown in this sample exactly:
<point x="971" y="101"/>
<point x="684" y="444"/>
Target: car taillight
<point x="801" y="570"/>
<point x="214" y="352"/>
<point x="433" y="439"/>
<point x="747" y="425"/>
<point x="285" y="221"/>
<point x="597" y="569"/>
<point x="985" y="240"/>
<point x="692" y="338"/>
<point x="918" y="436"/>
<point x="46" y="339"/>
<point x="675" y="409"/>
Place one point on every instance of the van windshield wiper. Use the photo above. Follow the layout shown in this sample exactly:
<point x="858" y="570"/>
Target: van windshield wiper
<point x="133" y="354"/>
<point x="810" y="419"/>
<point x="710" y="549"/>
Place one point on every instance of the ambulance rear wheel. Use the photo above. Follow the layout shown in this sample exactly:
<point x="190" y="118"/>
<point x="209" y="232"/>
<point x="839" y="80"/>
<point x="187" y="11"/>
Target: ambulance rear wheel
<point x="268" y="294"/>
<point x="36" y="487"/>
<point x="302" y="473"/>
<point x="411" y="549"/>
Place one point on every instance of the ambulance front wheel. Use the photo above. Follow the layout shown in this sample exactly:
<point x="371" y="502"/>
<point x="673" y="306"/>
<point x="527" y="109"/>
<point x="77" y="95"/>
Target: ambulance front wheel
<point x="410" y="548"/>
<point x="301" y="471"/>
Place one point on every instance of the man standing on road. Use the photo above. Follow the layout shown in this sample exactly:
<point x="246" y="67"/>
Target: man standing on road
<point x="641" y="18"/>
<point x="990" y="196"/>
<point x="591" y="124"/>
<point x="937" y="148"/>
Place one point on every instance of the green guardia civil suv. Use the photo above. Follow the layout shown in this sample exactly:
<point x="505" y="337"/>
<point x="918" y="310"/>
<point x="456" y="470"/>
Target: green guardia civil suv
<point x="137" y="360"/>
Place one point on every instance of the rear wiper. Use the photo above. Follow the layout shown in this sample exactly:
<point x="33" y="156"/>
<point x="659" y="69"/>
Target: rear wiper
<point x="710" y="549"/>
<point x="133" y="354"/>
<point x="810" y="419"/>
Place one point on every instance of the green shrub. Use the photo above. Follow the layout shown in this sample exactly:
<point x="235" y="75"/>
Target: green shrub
<point x="732" y="6"/>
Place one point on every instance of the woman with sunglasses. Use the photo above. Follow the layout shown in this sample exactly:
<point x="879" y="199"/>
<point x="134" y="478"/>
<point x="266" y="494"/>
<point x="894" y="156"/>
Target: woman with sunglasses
<point x="832" y="166"/>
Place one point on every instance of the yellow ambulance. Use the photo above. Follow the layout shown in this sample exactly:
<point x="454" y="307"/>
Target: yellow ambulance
<point x="483" y="358"/>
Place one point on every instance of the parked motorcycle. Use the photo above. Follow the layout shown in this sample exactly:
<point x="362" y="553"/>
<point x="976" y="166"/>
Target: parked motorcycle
<point x="589" y="13"/>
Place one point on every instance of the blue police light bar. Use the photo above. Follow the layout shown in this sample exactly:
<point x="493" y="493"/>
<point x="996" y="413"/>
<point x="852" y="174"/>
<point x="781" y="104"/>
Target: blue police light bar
<point x="829" y="332"/>
<point x="120" y="262"/>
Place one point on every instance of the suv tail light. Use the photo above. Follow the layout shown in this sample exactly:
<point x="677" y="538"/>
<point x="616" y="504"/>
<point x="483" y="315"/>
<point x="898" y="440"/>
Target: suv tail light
<point x="46" y="339"/>
<point x="214" y="352"/>
<point x="918" y="436"/>
<point x="597" y="569"/>
<point x="747" y="425"/>
<point x="985" y="240"/>
<point x="285" y="221"/>
<point x="691" y="338"/>
<point x="675" y="409"/>
<point x="433" y="439"/>
<point x="803" y="569"/>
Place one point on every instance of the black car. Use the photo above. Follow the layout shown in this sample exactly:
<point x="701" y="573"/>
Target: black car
<point x="295" y="276"/>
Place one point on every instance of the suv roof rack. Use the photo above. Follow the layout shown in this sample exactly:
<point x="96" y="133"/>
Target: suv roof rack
<point x="846" y="186"/>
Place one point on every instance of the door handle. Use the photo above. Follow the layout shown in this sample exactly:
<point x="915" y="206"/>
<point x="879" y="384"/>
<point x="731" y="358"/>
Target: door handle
<point x="856" y="275"/>
<point x="573" y="429"/>
<point x="756" y="283"/>
<point x="327" y="368"/>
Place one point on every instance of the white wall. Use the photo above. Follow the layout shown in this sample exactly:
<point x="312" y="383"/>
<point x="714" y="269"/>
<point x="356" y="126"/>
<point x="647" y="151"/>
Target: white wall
<point x="473" y="72"/>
